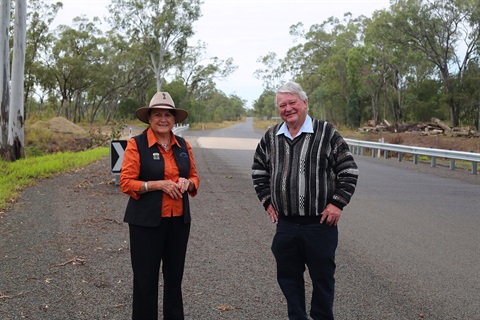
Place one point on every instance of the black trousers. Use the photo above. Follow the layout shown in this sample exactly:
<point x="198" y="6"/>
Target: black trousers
<point x="150" y="247"/>
<point x="313" y="245"/>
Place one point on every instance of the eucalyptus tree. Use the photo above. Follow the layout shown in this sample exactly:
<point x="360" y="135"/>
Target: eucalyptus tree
<point x="275" y="72"/>
<point x="384" y="65"/>
<point x="76" y="57"/>
<point x="391" y="64"/>
<point x="12" y="120"/>
<point x="470" y="94"/>
<point x="162" y="27"/>
<point x="180" y="93"/>
<point x="199" y="73"/>
<point x="406" y="74"/>
<point x="16" y="123"/>
<point x="5" y="148"/>
<point x="265" y="105"/>
<point x="235" y="108"/>
<point x="222" y="107"/>
<point x="121" y="75"/>
<point x="446" y="32"/>
<point x="321" y="64"/>
<point x="364" y="82"/>
<point x="40" y="15"/>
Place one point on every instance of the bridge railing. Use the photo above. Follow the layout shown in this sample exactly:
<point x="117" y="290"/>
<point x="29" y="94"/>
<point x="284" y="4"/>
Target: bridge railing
<point x="359" y="147"/>
<point x="179" y="128"/>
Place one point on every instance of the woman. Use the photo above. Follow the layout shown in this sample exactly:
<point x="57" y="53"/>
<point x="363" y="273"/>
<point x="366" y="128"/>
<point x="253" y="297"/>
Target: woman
<point x="158" y="173"/>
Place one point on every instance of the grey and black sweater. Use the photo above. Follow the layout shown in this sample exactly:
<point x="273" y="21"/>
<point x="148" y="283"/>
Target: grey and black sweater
<point x="300" y="177"/>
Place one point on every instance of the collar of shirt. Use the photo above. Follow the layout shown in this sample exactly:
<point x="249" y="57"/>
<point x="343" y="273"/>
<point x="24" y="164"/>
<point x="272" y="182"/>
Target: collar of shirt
<point x="307" y="127"/>
<point x="152" y="139"/>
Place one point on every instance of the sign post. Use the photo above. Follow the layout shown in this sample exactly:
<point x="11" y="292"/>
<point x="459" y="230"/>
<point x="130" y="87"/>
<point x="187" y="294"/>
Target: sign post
<point x="117" y="149"/>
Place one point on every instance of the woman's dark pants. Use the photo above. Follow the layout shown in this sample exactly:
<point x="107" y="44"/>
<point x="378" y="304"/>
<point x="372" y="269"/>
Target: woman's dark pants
<point x="167" y="244"/>
<point x="313" y="245"/>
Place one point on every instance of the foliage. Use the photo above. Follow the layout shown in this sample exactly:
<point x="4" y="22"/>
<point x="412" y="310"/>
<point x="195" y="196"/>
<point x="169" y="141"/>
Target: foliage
<point x="16" y="176"/>
<point x="410" y="62"/>
<point x="82" y="72"/>
<point x="160" y="28"/>
<point x="413" y="61"/>
<point x="265" y="105"/>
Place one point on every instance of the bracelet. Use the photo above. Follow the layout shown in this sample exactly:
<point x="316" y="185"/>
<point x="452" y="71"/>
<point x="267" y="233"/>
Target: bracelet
<point x="145" y="184"/>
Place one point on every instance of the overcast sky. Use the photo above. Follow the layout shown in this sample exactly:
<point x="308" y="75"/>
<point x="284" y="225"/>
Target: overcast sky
<point x="245" y="30"/>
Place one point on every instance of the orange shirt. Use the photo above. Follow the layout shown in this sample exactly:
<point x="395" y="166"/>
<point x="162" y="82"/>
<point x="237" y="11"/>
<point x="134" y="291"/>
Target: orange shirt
<point x="130" y="184"/>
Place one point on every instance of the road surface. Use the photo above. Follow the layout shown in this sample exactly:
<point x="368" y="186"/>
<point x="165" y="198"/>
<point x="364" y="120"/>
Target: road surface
<point x="409" y="243"/>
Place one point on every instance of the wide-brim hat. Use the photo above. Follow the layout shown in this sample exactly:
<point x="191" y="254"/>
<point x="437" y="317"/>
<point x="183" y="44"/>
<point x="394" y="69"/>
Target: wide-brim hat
<point x="161" y="100"/>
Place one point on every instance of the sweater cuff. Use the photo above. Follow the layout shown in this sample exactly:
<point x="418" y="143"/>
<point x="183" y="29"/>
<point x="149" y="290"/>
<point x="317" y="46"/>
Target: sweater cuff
<point x="337" y="204"/>
<point x="267" y="203"/>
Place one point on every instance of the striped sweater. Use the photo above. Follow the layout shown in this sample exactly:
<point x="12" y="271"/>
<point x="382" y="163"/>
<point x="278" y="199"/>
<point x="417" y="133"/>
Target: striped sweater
<point x="300" y="177"/>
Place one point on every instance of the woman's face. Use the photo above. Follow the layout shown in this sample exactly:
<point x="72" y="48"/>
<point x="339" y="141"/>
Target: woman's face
<point x="161" y="121"/>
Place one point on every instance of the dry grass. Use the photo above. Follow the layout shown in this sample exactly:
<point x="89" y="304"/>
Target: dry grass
<point x="211" y="125"/>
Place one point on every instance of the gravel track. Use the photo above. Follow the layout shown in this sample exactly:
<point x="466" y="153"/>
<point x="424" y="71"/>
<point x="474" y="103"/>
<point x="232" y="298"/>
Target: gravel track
<point x="65" y="250"/>
<point x="64" y="254"/>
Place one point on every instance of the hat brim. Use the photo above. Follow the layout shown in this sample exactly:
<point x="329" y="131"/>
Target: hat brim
<point x="142" y="113"/>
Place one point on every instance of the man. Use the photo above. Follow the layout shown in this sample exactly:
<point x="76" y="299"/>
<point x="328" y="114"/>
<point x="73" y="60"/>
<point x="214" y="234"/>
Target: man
<point x="304" y="175"/>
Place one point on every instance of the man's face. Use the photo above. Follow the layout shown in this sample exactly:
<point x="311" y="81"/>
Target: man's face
<point x="293" y="110"/>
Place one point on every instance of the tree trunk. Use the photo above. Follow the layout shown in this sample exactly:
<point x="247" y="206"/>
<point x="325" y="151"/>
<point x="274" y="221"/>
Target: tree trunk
<point x="16" y="123"/>
<point x="4" y="77"/>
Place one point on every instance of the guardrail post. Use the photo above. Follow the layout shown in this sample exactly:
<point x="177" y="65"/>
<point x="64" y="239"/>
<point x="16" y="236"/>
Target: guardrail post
<point x="433" y="162"/>
<point x="399" y="157"/>
<point x="385" y="154"/>
<point x="474" y="168"/>
<point x="452" y="164"/>
<point x="382" y="140"/>
<point x="415" y="158"/>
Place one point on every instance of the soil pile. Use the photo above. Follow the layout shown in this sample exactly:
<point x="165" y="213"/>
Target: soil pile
<point x="62" y="126"/>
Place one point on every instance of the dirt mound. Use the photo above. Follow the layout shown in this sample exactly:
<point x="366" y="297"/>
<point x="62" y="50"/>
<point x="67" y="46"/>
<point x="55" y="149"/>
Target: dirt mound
<point x="57" y="135"/>
<point x="61" y="125"/>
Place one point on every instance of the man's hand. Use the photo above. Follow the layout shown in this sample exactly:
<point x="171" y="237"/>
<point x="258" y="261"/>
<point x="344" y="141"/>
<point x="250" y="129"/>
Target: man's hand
<point x="272" y="213"/>
<point x="331" y="214"/>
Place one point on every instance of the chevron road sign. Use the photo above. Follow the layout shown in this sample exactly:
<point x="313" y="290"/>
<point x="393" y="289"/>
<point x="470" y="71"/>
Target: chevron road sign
<point x="117" y="149"/>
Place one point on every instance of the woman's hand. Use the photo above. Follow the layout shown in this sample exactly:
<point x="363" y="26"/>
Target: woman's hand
<point x="171" y="188"/>
<point x="183" y="184"/>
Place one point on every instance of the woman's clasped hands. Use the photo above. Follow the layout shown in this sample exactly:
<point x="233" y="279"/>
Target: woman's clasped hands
<point x="175" y="189"/>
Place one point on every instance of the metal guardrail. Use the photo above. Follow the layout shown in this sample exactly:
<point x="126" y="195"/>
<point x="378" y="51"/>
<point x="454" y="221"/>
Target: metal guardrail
<point x="179" y="129"/>
<point x="359" y="146"/>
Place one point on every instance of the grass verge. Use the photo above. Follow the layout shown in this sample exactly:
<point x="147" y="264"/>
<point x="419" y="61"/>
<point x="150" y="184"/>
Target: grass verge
<point x="16" y="176"/>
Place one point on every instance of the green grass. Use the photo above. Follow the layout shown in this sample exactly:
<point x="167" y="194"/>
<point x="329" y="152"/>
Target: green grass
<point x="16" y="176"/>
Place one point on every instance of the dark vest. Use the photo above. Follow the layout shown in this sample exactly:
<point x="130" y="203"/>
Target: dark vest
<point x="146" y="211"/>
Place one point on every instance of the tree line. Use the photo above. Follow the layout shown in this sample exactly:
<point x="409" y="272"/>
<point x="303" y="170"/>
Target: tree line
<point x="408" y="63"/>
<point x="88" y="72"/>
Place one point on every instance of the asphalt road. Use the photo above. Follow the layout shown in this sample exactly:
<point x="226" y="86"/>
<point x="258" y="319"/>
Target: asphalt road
<point x="409" y="240"/>
<point x="409" y="243"/>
